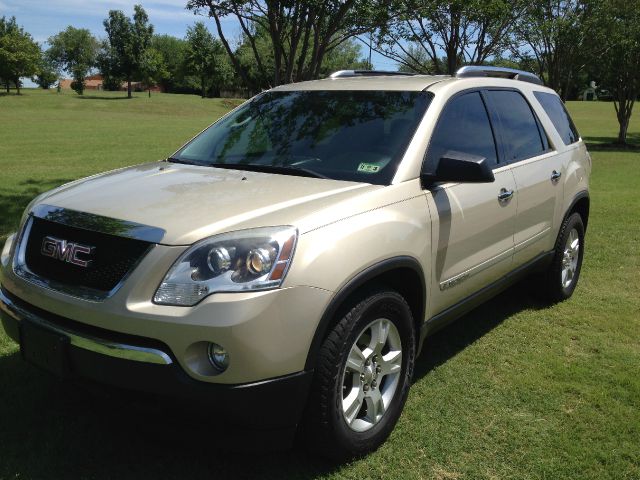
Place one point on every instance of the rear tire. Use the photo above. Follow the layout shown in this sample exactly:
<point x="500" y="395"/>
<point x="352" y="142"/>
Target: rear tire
<point x="362" y="378"/>
<point x="562" y="276"/>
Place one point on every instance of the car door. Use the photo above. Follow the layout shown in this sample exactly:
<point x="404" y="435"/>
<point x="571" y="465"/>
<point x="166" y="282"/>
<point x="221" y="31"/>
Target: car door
<point x="473" y="223"/>
<point x="536" y="167"/>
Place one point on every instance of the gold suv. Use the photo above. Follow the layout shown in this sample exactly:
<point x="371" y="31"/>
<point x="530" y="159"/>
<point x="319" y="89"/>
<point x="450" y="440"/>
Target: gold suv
<point x="286" y="264"/>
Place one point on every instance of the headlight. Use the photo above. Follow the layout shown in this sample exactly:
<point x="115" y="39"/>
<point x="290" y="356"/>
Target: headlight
<point x="256" y="259"/>
<point x="6" y="251"/>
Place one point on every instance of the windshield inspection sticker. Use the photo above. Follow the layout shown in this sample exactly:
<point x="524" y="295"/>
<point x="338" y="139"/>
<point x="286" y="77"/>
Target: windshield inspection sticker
<point x="368" y="168"/>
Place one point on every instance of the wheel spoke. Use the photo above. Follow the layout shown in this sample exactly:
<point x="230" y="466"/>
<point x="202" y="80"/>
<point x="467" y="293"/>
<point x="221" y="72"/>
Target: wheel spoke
<point x="391" y="363"/>
<point x="355" y="361"/>
<point x="575" y="247"/>
<point x="375" y="406"/>
<point x="352" y="405"/>
<point x="379" y="334"/>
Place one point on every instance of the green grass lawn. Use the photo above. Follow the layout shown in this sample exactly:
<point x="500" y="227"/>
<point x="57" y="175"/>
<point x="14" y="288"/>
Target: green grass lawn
<point x="514" y="390"/>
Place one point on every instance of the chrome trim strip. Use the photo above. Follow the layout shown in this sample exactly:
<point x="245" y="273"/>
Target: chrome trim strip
<point x="92" y="344"/>
<point x="98" y="223"/>
<point x="531" y="240"/>
<point x="461" y="277"/>
<point x="21" y="270"/>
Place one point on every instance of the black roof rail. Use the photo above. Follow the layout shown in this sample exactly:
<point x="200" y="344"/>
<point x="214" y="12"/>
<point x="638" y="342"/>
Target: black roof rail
<point x="367" y="73"/>
<point x="500" y="72"/>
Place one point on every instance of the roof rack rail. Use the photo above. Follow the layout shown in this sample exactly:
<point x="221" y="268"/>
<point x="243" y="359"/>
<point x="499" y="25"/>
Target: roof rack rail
<point x="500" y="72"/>
<point x="367" y="73"/>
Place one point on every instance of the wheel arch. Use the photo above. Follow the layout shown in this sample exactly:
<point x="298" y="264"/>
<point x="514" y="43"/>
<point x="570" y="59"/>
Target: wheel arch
<point x="580" y="204"/>
<point x="404" y="274"/>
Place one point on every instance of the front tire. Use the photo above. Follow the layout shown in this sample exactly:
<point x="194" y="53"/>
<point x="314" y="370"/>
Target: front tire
<point x="362" y="378"/>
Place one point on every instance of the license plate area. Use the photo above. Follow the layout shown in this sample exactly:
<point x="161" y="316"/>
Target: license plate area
<point x="45" y="348"/>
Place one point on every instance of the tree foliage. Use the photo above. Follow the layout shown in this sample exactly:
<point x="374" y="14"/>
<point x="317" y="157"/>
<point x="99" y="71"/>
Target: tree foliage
<point x="47" y="73"/>
<point x="614" y="32"/>
<point x="301" y="33"/>
<point x="20" y="56"/>
<point x="553" y="33"/>
<point x="432" y="36"/>
<point x="123" y="52"/>
<point x="204" y="57"/>
<point x="153" y="69"/>
<point x="74" y="50"/>
<point x="172" y="50"/>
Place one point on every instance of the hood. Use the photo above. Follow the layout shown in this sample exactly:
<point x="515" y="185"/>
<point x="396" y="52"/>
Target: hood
<point x="192" y="202"/>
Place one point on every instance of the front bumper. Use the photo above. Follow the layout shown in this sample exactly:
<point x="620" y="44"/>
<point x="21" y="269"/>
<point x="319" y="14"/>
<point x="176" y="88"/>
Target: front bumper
<point x="147" y="365"/>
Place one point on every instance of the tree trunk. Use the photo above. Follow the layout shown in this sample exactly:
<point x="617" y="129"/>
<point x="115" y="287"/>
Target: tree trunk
<point x="622" y="133"/>
<point x="128" y="88"/>
<point x="17" y="82"/>
<point x="8" y="87"/>
<point x="149" y="92"/>
<point x="624" y="108"/>
<point x="202" y="86"/>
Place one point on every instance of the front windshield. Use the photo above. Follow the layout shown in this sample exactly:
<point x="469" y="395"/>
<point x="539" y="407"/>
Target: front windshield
<point x="343" y="135"/>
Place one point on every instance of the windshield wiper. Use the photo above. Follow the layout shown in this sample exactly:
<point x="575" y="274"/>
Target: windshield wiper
<point x="282" y="169"/>
<point x="179" y="160"/>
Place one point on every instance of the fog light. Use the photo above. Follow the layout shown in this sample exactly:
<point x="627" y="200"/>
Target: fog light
<point x="218" y="357"/>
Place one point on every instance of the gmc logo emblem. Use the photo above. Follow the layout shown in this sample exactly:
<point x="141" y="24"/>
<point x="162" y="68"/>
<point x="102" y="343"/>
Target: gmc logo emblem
<point x="66" y="251"/>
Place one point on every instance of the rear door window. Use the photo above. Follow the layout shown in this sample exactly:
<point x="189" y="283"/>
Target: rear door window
<point x="463" y="127"/>
<point x="521" y="134"/>
<point x="559" y="116"/>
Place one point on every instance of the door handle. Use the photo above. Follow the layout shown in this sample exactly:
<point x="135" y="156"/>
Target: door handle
<point x="555" y="175"/>
<point x="505" y="194"/>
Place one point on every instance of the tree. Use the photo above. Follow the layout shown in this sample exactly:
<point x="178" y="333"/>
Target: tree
<point x="205" y="59"/>
<point x="153" y="68"/>
<point x="173" y="52"/>
<point x="615" y="29"/>
<point x="74" y="50"/>
<point x="47" y="73"/>
<point x="20" y="56"/>
<point x="109" y="68"/>
<point x="6" y="26"/>
<point x="437" y="37"/>
<point x="127" y="42"/>
<point x="200" y="54"/>
<point x="346" y="56"/>
<point x="553" y="32"/>
<point x="300" y="33"/>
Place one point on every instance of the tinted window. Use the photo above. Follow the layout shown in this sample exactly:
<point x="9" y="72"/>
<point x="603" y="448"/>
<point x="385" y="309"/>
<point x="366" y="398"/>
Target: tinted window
<point x="518" y="126"/>
<point x="463" y="127"/>
<point x="559" y="116"/>
<point x="344" y="135"/>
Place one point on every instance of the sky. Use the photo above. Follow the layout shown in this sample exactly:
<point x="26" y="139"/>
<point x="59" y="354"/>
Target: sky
<point x="44" y="18"/>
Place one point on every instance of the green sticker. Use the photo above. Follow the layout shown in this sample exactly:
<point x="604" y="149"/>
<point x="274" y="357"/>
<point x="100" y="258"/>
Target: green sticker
<point x="368" y="168"/>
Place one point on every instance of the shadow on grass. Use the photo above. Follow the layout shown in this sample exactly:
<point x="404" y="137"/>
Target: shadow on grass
<point x="608" y="144"/>
<point x="455" y="337"/>
<point x="95" y="97"/>
<point x="14" y="200"/>
<point x="53" y="429"/>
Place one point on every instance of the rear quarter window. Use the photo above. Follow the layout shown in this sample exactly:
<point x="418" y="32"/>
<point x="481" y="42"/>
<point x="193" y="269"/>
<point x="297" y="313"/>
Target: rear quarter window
<point x="559" y="116"/>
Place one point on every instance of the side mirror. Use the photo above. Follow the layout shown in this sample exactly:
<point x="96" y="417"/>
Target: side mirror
<point x="461" y="167"/>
